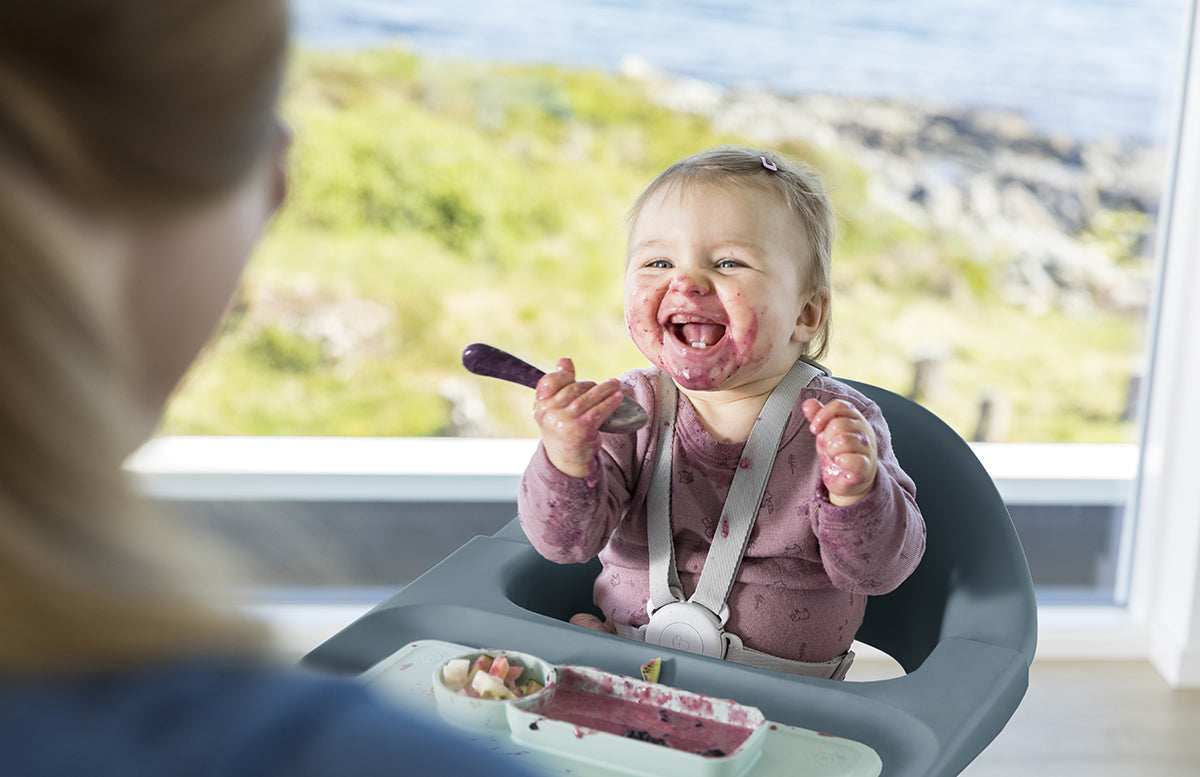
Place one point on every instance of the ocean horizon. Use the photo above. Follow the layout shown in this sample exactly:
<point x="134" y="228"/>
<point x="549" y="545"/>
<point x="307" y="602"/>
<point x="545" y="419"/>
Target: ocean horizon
<point x="1083" y="68"/>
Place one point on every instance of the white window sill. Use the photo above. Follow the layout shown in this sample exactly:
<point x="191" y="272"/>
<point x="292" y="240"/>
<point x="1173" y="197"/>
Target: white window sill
<point x="1064" y="633"/>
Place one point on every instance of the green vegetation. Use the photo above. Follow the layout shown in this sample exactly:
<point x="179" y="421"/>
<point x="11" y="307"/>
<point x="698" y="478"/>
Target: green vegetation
<point x="436" y="204"/>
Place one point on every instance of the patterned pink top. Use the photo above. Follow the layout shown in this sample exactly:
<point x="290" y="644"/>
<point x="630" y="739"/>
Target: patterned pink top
<point x="801" y="590"/>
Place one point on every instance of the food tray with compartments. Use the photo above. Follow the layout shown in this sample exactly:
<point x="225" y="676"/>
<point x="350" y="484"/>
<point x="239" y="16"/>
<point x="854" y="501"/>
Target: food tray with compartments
<point x="408" y="675"/>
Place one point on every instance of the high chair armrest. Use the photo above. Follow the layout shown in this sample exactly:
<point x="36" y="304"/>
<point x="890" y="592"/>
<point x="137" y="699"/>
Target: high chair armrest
<point x="965" y="692"/>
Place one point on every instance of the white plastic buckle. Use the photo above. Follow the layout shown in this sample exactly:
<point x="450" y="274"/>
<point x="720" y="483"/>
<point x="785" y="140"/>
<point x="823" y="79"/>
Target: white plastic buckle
<point x="687" y="626"/>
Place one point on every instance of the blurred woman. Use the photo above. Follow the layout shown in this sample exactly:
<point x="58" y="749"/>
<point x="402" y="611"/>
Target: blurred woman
<point x="140" y="160"/>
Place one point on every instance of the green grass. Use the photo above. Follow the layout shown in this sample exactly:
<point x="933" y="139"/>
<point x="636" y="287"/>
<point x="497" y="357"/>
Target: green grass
<point x="435" y="204"/>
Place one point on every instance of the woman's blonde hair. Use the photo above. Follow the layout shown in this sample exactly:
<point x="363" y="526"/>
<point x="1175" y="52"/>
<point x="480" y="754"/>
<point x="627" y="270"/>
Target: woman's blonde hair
<point x="800" y="187"/>
<point x="117" y="107"/>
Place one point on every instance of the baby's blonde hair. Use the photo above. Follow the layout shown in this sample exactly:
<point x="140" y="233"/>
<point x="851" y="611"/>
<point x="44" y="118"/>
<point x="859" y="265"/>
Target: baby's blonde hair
<point x="797" y="183"/>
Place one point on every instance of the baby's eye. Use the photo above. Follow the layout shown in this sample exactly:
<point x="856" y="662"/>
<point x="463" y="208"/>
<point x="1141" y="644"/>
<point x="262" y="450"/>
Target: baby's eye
<point x="727" y="262"/>
<point x="660" y="264"/>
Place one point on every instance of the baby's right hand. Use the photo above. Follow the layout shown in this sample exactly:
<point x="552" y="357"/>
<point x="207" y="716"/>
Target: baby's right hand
<point x="569" y="413"/>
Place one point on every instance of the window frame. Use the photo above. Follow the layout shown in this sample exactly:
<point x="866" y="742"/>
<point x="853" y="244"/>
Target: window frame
<point x="1164" y="600"/>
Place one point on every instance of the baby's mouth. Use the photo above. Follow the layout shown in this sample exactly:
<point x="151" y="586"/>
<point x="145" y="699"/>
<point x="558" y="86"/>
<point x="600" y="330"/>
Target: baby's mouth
<point x="697" y="334"/>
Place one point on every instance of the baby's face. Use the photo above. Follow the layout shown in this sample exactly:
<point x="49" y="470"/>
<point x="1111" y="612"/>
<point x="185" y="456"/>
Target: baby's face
<point x="715" y="291"/>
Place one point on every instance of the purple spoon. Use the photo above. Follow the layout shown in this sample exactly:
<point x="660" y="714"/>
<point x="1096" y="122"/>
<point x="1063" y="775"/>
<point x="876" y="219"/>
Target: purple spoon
<point x="491" y="362"/>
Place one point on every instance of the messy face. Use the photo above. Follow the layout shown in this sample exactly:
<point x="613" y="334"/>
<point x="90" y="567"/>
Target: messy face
<point x="715" y="286"/>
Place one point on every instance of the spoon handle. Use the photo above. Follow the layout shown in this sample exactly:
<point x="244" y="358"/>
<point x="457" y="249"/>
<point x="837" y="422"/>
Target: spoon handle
<point x="492" y="362"/>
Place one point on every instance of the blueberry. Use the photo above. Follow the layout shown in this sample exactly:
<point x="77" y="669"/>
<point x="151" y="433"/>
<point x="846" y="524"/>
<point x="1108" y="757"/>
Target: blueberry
<point x="645" y="736"/>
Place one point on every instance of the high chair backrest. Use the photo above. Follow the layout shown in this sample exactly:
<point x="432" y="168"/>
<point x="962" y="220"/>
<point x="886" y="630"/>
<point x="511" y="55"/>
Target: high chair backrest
<point x="973" y="582"/>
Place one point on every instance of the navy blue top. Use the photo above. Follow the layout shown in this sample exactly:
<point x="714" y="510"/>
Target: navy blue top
<point x="216" y="719"/>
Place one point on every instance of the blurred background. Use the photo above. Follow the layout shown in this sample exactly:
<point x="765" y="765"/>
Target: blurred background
<point x="462" y="172"/>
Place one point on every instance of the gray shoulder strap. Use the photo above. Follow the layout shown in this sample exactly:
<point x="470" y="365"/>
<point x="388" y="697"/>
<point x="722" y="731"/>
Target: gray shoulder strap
<point x="741" y="505"/>
<point x="664" y="578"/>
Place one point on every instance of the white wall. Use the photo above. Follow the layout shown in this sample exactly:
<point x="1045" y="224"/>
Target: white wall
<point x="1166" y="583"/>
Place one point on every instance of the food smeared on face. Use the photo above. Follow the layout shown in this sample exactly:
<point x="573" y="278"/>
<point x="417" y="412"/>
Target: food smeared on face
<point x="715" y="286"/>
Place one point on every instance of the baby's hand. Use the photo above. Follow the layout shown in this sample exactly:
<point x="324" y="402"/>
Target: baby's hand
<point x="570" y="413"/>
<point x="847" y="447"/>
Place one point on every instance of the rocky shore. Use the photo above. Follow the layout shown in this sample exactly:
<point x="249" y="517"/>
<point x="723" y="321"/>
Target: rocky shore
<point x="1073" y="219"/>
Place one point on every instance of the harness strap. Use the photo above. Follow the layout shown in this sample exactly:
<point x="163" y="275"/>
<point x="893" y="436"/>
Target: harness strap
<point x="742" y="503"/>
<point x="730" y="537"/>
<point x="833" y="669"/>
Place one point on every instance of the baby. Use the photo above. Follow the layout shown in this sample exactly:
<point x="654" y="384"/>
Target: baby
<point x="729" y="525"/>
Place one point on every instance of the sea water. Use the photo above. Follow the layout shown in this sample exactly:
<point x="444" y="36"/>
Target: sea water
<point x="1086" y="68"/>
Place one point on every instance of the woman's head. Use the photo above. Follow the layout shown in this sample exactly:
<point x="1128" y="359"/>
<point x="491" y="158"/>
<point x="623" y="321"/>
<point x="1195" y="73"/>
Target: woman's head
<point x="123" y="104"/>
<point x="121" y="121"/>
<point x="796" y="185"/>
<point x="136" y="172"/>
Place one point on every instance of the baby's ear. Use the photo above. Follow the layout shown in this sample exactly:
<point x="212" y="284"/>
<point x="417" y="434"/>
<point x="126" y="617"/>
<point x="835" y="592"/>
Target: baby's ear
<point x="812" y="316"/>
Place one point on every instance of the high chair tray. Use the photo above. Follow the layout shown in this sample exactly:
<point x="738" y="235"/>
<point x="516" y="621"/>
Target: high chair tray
<point x="500" y="593"/>
<point x="407" y="675"/>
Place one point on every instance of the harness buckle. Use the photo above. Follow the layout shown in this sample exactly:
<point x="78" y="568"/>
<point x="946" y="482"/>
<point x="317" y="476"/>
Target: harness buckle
<point x="689" y="627"/>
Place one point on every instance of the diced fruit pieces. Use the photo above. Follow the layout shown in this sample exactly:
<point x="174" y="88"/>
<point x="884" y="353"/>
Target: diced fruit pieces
<point x="651" y="669"/>
<point x="490" y="687"/>
<point x="499" y="667"/>
<point x="454" y="673"/>
<point x="488" y="677"/>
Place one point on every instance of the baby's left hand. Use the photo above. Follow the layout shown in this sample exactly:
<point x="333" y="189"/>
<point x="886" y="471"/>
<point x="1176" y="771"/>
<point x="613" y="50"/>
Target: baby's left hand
<point x="847" y="447"/>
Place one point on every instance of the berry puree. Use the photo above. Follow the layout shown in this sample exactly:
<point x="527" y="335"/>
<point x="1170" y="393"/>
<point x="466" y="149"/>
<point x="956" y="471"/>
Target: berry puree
<point x="659" y="715"/>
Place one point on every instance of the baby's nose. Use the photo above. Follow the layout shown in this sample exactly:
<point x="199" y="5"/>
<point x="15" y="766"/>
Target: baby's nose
<point x="686" y="282"/>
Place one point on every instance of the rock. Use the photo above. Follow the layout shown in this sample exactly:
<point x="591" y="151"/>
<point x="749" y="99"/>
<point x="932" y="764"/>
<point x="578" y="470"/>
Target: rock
<point x="346" y="327"/>
<point x="468" y="416"/>
<point x="986" y="174"/>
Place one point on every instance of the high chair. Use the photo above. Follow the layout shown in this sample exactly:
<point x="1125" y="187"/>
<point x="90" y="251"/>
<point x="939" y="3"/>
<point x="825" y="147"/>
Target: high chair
<point x="963" y="626"/>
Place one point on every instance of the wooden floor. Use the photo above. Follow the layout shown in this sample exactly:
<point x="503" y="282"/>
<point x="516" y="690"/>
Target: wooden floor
<point x="1093" y="719"/>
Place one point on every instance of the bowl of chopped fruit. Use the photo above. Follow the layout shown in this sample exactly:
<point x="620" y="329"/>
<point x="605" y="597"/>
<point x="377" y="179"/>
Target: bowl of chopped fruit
<point x="472" y="689"/>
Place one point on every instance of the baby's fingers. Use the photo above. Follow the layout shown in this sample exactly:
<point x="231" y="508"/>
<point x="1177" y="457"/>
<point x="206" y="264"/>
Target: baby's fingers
<point x="852" y="468"/>
<point x="553" y="382"/>
<point x="810" y="408"/>
<point x="820" y="416"/>
<point x="842" y="437"/>
<point x="598" y="402"/>
<point x="848" y="477"/>
<point x="583" y="403"/>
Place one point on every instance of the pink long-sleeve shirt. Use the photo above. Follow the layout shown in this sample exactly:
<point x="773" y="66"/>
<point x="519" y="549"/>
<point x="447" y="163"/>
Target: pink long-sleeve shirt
<point x="802" y="587"/>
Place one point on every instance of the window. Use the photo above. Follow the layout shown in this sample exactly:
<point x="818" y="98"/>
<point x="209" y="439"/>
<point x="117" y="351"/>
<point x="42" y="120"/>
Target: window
<point x="462" y="174"/>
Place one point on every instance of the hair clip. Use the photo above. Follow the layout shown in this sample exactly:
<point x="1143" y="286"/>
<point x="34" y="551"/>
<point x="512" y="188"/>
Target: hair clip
<point x="769" y="165"/>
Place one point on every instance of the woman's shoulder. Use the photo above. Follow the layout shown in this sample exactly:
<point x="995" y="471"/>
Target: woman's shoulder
<point x="222" y="718"/>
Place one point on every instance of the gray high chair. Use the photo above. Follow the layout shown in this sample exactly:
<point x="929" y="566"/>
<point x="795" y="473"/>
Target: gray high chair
<point x="963" y="626"/>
